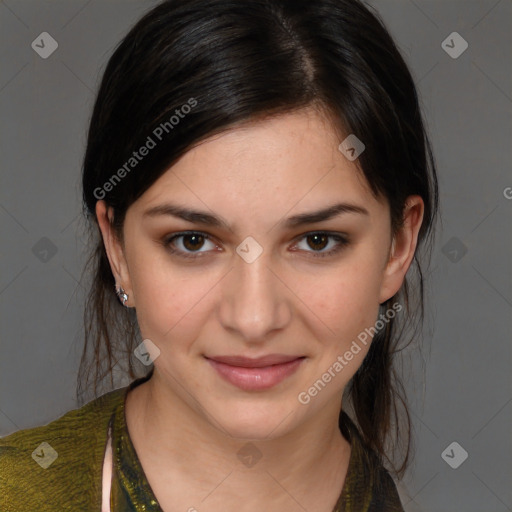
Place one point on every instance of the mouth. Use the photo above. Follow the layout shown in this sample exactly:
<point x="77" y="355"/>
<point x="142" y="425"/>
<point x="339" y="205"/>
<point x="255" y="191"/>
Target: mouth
<point x="255" y="374"/>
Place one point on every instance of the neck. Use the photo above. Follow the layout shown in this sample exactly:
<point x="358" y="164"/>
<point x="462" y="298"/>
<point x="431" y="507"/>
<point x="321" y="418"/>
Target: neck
<point x="201" y="451"/>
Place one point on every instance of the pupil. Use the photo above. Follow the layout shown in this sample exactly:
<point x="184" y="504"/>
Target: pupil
<point x="317" y="237"/>
<point x="193" y="237"/>
<point x="318" y="240"/>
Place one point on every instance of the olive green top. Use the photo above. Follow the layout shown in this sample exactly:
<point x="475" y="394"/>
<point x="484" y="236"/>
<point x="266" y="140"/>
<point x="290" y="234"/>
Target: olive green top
<point x="58" y="467"/>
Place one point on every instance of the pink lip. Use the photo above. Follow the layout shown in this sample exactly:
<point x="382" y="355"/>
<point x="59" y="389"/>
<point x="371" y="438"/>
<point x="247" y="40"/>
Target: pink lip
<point x="255" y="374"/>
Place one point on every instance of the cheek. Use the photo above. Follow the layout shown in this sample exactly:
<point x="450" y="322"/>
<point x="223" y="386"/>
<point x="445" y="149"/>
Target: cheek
<point x="342" y="302"/>
<point x="166" y="311"/>
<point x="169" y="300"/>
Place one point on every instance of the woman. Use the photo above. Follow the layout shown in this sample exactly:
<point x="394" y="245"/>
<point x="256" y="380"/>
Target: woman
<point x="259" y="180"/>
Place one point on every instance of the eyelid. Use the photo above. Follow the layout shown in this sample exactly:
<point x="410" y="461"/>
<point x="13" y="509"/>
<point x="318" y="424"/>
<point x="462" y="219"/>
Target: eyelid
<point x="167" y="242"/>
<point x="342" y="240"/>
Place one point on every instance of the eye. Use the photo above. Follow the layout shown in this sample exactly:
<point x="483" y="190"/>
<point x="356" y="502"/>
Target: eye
<point x="189" y="245"/>
<point x="320" y="240"/>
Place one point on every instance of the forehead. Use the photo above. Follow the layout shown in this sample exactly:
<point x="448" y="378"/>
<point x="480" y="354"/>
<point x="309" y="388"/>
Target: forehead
<point x="265" y="169"/>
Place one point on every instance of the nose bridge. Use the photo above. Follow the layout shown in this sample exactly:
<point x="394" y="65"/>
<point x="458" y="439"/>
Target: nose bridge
<point x="255" y="304"/>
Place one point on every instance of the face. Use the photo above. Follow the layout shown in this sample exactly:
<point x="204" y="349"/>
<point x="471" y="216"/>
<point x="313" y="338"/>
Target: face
<point x="255" y="298"/>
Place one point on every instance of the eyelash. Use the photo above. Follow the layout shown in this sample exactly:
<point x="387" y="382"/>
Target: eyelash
<point x="342" y="242"/>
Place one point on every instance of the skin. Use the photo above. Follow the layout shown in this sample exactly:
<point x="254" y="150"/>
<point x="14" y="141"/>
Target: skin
<point x="187" y="423"/>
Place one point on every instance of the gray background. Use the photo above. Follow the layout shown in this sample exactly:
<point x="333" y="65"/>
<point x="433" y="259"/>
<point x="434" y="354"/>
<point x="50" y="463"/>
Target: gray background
<point x="461" y="392"/>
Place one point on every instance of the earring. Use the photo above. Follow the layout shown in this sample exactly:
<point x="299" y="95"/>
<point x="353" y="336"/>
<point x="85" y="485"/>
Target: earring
<point x="121" y="294"/>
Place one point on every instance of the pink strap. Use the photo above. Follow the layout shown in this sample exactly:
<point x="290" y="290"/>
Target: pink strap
<point x="107" y="475"/>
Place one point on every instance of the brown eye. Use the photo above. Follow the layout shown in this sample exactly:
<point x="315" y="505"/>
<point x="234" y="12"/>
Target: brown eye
<point x="193" y="242"/>
<point x="318" y="241"/>
<point x="188" y="244"/>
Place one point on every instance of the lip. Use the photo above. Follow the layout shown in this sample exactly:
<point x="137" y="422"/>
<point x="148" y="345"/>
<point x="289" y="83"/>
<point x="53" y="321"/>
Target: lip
<point x="254" y="374"/>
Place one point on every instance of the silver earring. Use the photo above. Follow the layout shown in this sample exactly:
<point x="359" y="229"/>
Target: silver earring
<point x="121" y="295"/>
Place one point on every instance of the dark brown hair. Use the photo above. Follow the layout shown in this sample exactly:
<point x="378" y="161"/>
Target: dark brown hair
<point x="239" y="61"/>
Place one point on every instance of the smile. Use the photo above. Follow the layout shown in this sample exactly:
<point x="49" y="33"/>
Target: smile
<point x="255" y="374"/>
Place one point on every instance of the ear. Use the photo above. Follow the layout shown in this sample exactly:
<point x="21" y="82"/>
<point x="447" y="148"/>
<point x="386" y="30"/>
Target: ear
<point x="114" y="249"/>
<point x="403" y="248"/>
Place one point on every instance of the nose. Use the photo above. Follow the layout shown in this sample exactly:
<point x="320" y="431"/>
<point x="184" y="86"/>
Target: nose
<point x="255" y="301"/>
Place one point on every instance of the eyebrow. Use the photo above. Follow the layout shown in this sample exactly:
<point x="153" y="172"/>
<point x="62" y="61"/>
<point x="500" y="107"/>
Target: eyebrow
<point x="203" y="217"/>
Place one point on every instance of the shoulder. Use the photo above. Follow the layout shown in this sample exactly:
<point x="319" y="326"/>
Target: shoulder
<point x="59" y="464"/>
